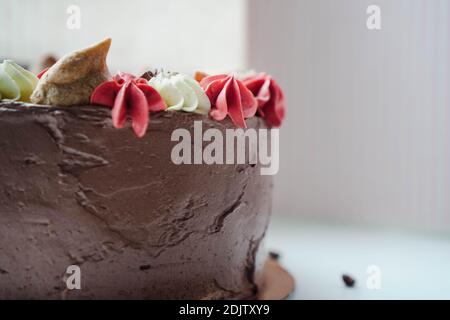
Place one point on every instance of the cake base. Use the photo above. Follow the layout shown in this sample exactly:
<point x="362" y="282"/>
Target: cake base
<point x="278" y="282"/>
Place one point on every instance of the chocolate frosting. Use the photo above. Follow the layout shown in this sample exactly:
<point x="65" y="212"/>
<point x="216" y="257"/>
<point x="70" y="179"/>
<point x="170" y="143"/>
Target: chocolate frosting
<point x="75" y="190"/>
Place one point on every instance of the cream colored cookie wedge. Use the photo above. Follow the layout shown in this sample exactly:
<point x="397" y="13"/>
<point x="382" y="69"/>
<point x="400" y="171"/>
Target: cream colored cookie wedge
<point x="72" y="79"/>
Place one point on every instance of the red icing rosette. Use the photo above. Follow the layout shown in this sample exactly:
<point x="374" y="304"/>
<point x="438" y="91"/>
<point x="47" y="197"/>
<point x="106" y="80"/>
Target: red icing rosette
<point x="229" y="96"/>
<point x="271" y="101"/>
<point x="129" y="96"/>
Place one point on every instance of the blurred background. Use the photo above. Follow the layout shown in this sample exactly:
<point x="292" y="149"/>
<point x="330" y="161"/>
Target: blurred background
<point x="366" y="139"/>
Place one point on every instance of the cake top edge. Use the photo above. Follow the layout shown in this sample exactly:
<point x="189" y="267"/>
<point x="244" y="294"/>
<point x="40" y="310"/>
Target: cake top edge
<point x="82" y="79"/>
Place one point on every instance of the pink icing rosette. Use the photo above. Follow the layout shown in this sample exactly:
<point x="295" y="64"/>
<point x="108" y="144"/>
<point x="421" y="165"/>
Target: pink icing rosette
<point x="229" y="96"/>
<point x="129" y="96"/>
<point x="271" y="101"/>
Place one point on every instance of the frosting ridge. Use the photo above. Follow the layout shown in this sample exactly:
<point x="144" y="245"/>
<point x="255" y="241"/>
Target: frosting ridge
<point x="181" y="92"/>
<point x="129" y="96"/>
<point x="270" y="97"/>
<point x="16" y="83"/>
<point x="229" y="96"/>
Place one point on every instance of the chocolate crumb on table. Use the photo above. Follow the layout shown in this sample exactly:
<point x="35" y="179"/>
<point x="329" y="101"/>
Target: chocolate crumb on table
<point x="274" y="255"/>
<point x="348" y="280"/>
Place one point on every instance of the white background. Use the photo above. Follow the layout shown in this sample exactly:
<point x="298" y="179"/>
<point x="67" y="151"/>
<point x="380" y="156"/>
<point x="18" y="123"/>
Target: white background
<point x="368" y="126"/>
<point x="173" y="34"/>
<point x="409" y="265"/>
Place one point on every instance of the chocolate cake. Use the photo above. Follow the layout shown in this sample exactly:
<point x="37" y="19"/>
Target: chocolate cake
<point x="74" y="190"/>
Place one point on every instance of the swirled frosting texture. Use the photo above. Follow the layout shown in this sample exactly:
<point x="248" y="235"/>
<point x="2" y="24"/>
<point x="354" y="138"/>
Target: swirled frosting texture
<point x="270" y="97"/>
<point x="16" y="83"/>
<point x="181" y="92"/>
<point x="229" y="96"/>
<point x="129" y="96"/>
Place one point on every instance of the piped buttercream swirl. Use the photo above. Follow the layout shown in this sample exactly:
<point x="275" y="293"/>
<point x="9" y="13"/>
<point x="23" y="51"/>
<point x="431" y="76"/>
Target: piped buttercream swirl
<point x="129" y="96"/>
<point x="229" y="96"/>
<point x="16" y="83"/>
<point x="271" y="101"/>
<point x="181" y="92"/>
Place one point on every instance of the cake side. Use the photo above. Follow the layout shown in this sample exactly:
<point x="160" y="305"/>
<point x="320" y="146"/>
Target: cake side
<point x="78" y="191"/>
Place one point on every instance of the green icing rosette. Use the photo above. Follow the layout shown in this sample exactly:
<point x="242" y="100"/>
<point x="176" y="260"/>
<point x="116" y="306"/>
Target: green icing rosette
<point x="181" y="92"/>
<point x="16" y="83"/>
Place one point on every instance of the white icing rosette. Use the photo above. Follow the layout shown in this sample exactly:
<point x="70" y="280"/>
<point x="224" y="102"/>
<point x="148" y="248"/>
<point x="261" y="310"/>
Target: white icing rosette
<point x="181" y="92"/>
<point x="16" y="83"/>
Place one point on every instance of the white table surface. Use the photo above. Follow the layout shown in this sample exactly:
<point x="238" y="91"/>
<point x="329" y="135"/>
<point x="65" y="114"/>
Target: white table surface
<point x="413" y="265"/>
